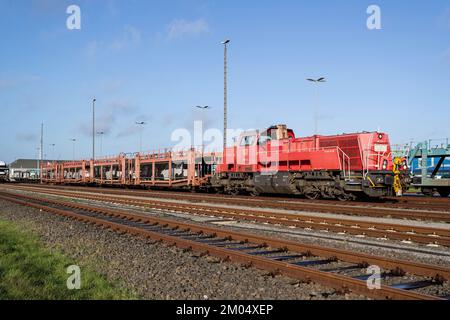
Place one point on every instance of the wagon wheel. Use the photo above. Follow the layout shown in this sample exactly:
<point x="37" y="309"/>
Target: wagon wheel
<point x="233" y="192"/>
<point x="428" y="192"/>
<point x="218" y="190"/>
<point x="444" y="193"/>
<point x="254" y="193"/>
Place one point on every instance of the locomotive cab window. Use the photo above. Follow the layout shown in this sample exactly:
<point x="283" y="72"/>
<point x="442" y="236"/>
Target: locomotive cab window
<point x="263" y="140"/>
<point x="247" y="141"/>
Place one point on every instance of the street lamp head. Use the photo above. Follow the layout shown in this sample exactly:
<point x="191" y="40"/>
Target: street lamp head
<point x="226" y="41"/>
<point x="94" y="100"/>
<point x="318" y="80"/>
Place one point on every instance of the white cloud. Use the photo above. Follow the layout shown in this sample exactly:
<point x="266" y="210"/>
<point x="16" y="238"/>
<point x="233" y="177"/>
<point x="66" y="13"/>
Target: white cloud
<point x="444" y="19"/>
<point x="182" y="28"/>
<point x="111" y="86"/>
<point x="8" y="82"/>
<point x="91" y="49"/>
<point x="129" y="38"/>
<point x="133" y="129"/>
<point x="48" y="6"/>
<point x="129" y="131"/>
<point x="108" y="116"/>
<point x="447" y="54"/>
<point x="26" y="137"/>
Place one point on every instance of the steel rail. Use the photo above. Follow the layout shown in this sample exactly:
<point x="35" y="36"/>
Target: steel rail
<point x="396" y="202"/>
<point x="375" y="210"/>
<point x="417" y="234"/>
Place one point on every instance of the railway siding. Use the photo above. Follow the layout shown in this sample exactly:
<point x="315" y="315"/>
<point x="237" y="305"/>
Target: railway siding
<point x="387" y="230"/>
<point x="175" y="233"/>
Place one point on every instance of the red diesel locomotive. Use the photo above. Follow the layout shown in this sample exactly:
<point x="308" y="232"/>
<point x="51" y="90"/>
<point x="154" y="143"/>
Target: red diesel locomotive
<point x="271" y="161"/>
<point x="340" y="166"/>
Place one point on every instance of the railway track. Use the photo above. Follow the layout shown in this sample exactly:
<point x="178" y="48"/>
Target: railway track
<point x="339" y="269"/>
<point x="436" y="203"/>
<point x="406" y="202"/>
<point x="355" y="209"/>
<point x="386" y="231"/>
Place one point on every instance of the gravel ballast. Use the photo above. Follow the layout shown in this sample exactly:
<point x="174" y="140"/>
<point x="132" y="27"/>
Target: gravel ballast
<point x="154" y="270"/>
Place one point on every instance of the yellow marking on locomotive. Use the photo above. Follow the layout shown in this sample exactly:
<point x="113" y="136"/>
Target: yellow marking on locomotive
<point x="370" y="180"/>
<point x="398" y="188"/>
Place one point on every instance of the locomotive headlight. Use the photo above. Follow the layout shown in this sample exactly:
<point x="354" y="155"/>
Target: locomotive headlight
<point x="385" y="164"/>
<point x="380" y="136"/>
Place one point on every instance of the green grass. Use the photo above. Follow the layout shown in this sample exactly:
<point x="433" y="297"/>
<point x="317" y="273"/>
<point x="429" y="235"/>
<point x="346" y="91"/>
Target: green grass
<point x="29" y="271"/>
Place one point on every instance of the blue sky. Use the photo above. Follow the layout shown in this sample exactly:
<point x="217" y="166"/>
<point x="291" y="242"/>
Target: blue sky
<point x="154" y="60"/>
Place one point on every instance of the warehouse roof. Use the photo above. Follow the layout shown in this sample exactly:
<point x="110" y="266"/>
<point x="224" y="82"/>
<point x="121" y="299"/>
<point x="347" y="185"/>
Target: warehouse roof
<point x="25" y="164"/>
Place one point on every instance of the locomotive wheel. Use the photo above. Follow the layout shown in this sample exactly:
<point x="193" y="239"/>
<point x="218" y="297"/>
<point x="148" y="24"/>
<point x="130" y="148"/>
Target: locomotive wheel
<point x="312" y="195"/>
<point x="428" y="192"/>
<point x="254" y="193"/>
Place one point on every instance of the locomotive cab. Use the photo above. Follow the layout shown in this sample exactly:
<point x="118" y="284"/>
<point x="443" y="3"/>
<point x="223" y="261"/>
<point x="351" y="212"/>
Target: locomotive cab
<point x="278" y="132"/>
<point x="253" y="138"/>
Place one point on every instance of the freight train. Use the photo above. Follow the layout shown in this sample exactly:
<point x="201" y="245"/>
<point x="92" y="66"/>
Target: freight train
<point x="270" y="161"/>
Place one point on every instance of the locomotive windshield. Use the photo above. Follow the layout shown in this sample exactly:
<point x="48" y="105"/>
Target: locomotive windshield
<point x="247" y="141"/>
<point x="263" y="139"/>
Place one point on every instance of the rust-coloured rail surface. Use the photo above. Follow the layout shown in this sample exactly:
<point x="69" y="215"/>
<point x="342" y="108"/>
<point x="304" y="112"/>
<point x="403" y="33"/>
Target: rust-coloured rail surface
<point x="436" y="203"/>
<point x="416" y="234"/>
<point x="222" y="243"/>
<point x="394" y="208"/>
<point x="405" y="202"/>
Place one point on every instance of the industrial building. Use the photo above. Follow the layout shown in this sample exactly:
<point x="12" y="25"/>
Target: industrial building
<point x="25" y="170"/>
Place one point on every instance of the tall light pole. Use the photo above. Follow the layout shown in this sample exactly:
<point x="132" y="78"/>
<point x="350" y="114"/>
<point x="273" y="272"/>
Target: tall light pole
<point x="203" y="108"/>
<point x="316" y="111"/>
<point x="73" y="146"/>
<point x="41" y="156"/>
<point x="101" y="133"/>
<point x="41" y="148"/>
<point x="93" y="128"/>
<point x="53" y="149"/>
<point x="142" y="124"/>
<point x="225" y="92"/>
